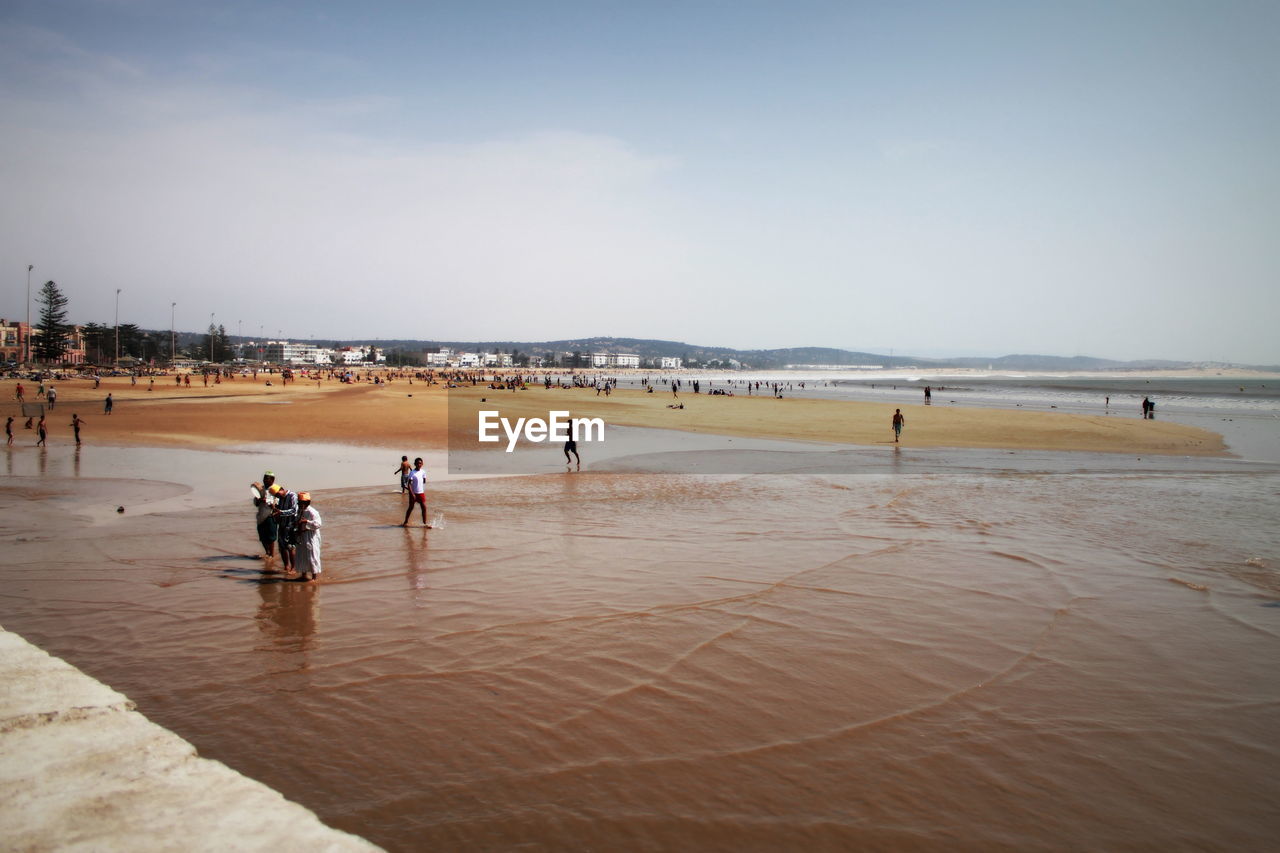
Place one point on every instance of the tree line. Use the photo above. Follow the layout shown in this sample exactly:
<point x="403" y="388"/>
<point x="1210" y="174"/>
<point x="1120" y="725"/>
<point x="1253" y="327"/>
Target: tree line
<point x="100" y="339"/>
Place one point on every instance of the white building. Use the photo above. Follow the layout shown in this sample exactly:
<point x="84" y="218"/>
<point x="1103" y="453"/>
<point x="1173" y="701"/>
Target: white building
<point x="668" y="363"/>
<point x="438" y="359"/>
<point x="613" y="359"/>
<point x="468" y="359"/>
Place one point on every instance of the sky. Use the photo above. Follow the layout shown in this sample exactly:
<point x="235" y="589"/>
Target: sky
<point x="935" y="179"/>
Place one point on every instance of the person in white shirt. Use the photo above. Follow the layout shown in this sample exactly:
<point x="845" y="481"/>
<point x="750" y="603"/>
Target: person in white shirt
<point x="417" y="493"/>
<point x="307" y="530"/>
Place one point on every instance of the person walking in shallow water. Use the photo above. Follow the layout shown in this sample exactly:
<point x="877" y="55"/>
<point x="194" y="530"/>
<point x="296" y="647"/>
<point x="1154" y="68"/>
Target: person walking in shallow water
<point x="403" y="471"/>
<point x="286" y="515"/>
<point x="417" y="493"/>
<point x="307" y="560"/>
<point x="264" y="514"/>
<point x="898" y="421"/>
<point x="8" y="430"/>
<point x="43" y="433"/>
<point x="76" y="420"/>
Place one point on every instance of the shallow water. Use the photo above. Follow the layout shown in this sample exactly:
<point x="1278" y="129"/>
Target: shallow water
<point x="943" y="651"/>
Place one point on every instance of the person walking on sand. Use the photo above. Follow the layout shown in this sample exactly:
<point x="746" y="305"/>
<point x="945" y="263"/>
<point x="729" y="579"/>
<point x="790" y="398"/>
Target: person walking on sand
<point x="417" y="493"/>
<point x="76" y="420"/>
<point x="42" y="432"/>
<point x="20" y="393"/>
<point x="571" y="446"/>
<point x="898" y="421"/>
<point x="286" y="515"/>
<point x="307" y="560"/>
<point x="52" y="396"/>
<point x="106" y="404"/>
<point x="264" y="517"/>
<point x="403" y="471"/>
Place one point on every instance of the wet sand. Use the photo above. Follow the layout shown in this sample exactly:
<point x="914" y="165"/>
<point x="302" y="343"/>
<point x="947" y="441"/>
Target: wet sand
<point x="642" y="661"/>
<point x="912" y="648"/>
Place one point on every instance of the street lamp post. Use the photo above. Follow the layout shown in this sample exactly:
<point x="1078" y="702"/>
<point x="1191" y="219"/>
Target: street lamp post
<point x="117" y="327"/>
<point x="27" y="338"/>
<point x="212" y="331"/>
<point x="173" y="340"/>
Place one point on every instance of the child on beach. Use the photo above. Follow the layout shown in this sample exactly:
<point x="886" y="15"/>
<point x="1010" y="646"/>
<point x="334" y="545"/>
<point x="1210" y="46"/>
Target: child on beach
<point x="403" y="471"/>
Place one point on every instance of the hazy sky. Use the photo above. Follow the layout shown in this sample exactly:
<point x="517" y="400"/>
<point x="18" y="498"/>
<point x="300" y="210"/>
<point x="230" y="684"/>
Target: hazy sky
<point x="936" y="178"/>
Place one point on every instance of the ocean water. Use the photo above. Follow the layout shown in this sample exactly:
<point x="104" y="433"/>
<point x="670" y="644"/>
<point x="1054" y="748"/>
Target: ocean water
<point x="913" y="649"/>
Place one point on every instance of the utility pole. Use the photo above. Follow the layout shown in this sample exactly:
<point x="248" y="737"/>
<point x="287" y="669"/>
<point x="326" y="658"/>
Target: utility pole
<point x="173" y="340"/>
<point x="27" y="338"/>
<point x="213" y="330"/>
<point x="117" y="327"/>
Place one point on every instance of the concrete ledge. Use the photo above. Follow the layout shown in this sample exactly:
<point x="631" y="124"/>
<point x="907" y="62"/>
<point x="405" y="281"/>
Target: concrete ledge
<point x="81" y="770"/>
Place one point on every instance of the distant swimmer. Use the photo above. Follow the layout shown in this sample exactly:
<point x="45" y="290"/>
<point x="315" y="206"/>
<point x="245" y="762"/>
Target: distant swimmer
<point x="898" y="421"/>
<point x="417" y="493"/>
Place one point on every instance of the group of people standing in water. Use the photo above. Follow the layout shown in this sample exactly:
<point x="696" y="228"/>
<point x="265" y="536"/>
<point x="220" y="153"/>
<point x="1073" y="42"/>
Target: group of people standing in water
<point x="286" y="520"/>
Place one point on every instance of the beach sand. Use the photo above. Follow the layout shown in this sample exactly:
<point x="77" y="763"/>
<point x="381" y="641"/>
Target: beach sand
<point x="401" y="414"/>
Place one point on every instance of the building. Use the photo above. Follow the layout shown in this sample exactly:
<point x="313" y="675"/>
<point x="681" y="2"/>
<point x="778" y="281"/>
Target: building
<point x="73" y="351"/>
<point x="613" y="359"/>
<point x="13" y="340"/>
<point x="668" y="363"/>
<point x="287" y="352"/>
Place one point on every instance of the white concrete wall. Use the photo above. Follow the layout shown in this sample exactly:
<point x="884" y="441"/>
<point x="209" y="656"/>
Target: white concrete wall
<point x="81" y="770"/>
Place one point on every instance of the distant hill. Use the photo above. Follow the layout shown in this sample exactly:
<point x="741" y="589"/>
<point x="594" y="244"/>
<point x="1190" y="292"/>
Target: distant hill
<point x="777" y="359"/>
<point x="758" y="359"/>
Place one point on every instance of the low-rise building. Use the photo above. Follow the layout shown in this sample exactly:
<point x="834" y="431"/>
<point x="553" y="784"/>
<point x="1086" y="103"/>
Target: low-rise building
<point x="613" y="359"/>
<point x="13" y="340"/>
<point x="668" y="363"/>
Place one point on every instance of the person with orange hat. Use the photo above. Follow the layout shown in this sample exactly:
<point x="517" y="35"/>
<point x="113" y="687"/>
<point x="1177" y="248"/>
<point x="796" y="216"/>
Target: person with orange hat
<point x="307" y="560"/>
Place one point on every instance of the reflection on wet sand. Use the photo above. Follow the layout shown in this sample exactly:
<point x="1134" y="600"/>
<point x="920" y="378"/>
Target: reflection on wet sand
<point x="287" y="613"/>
